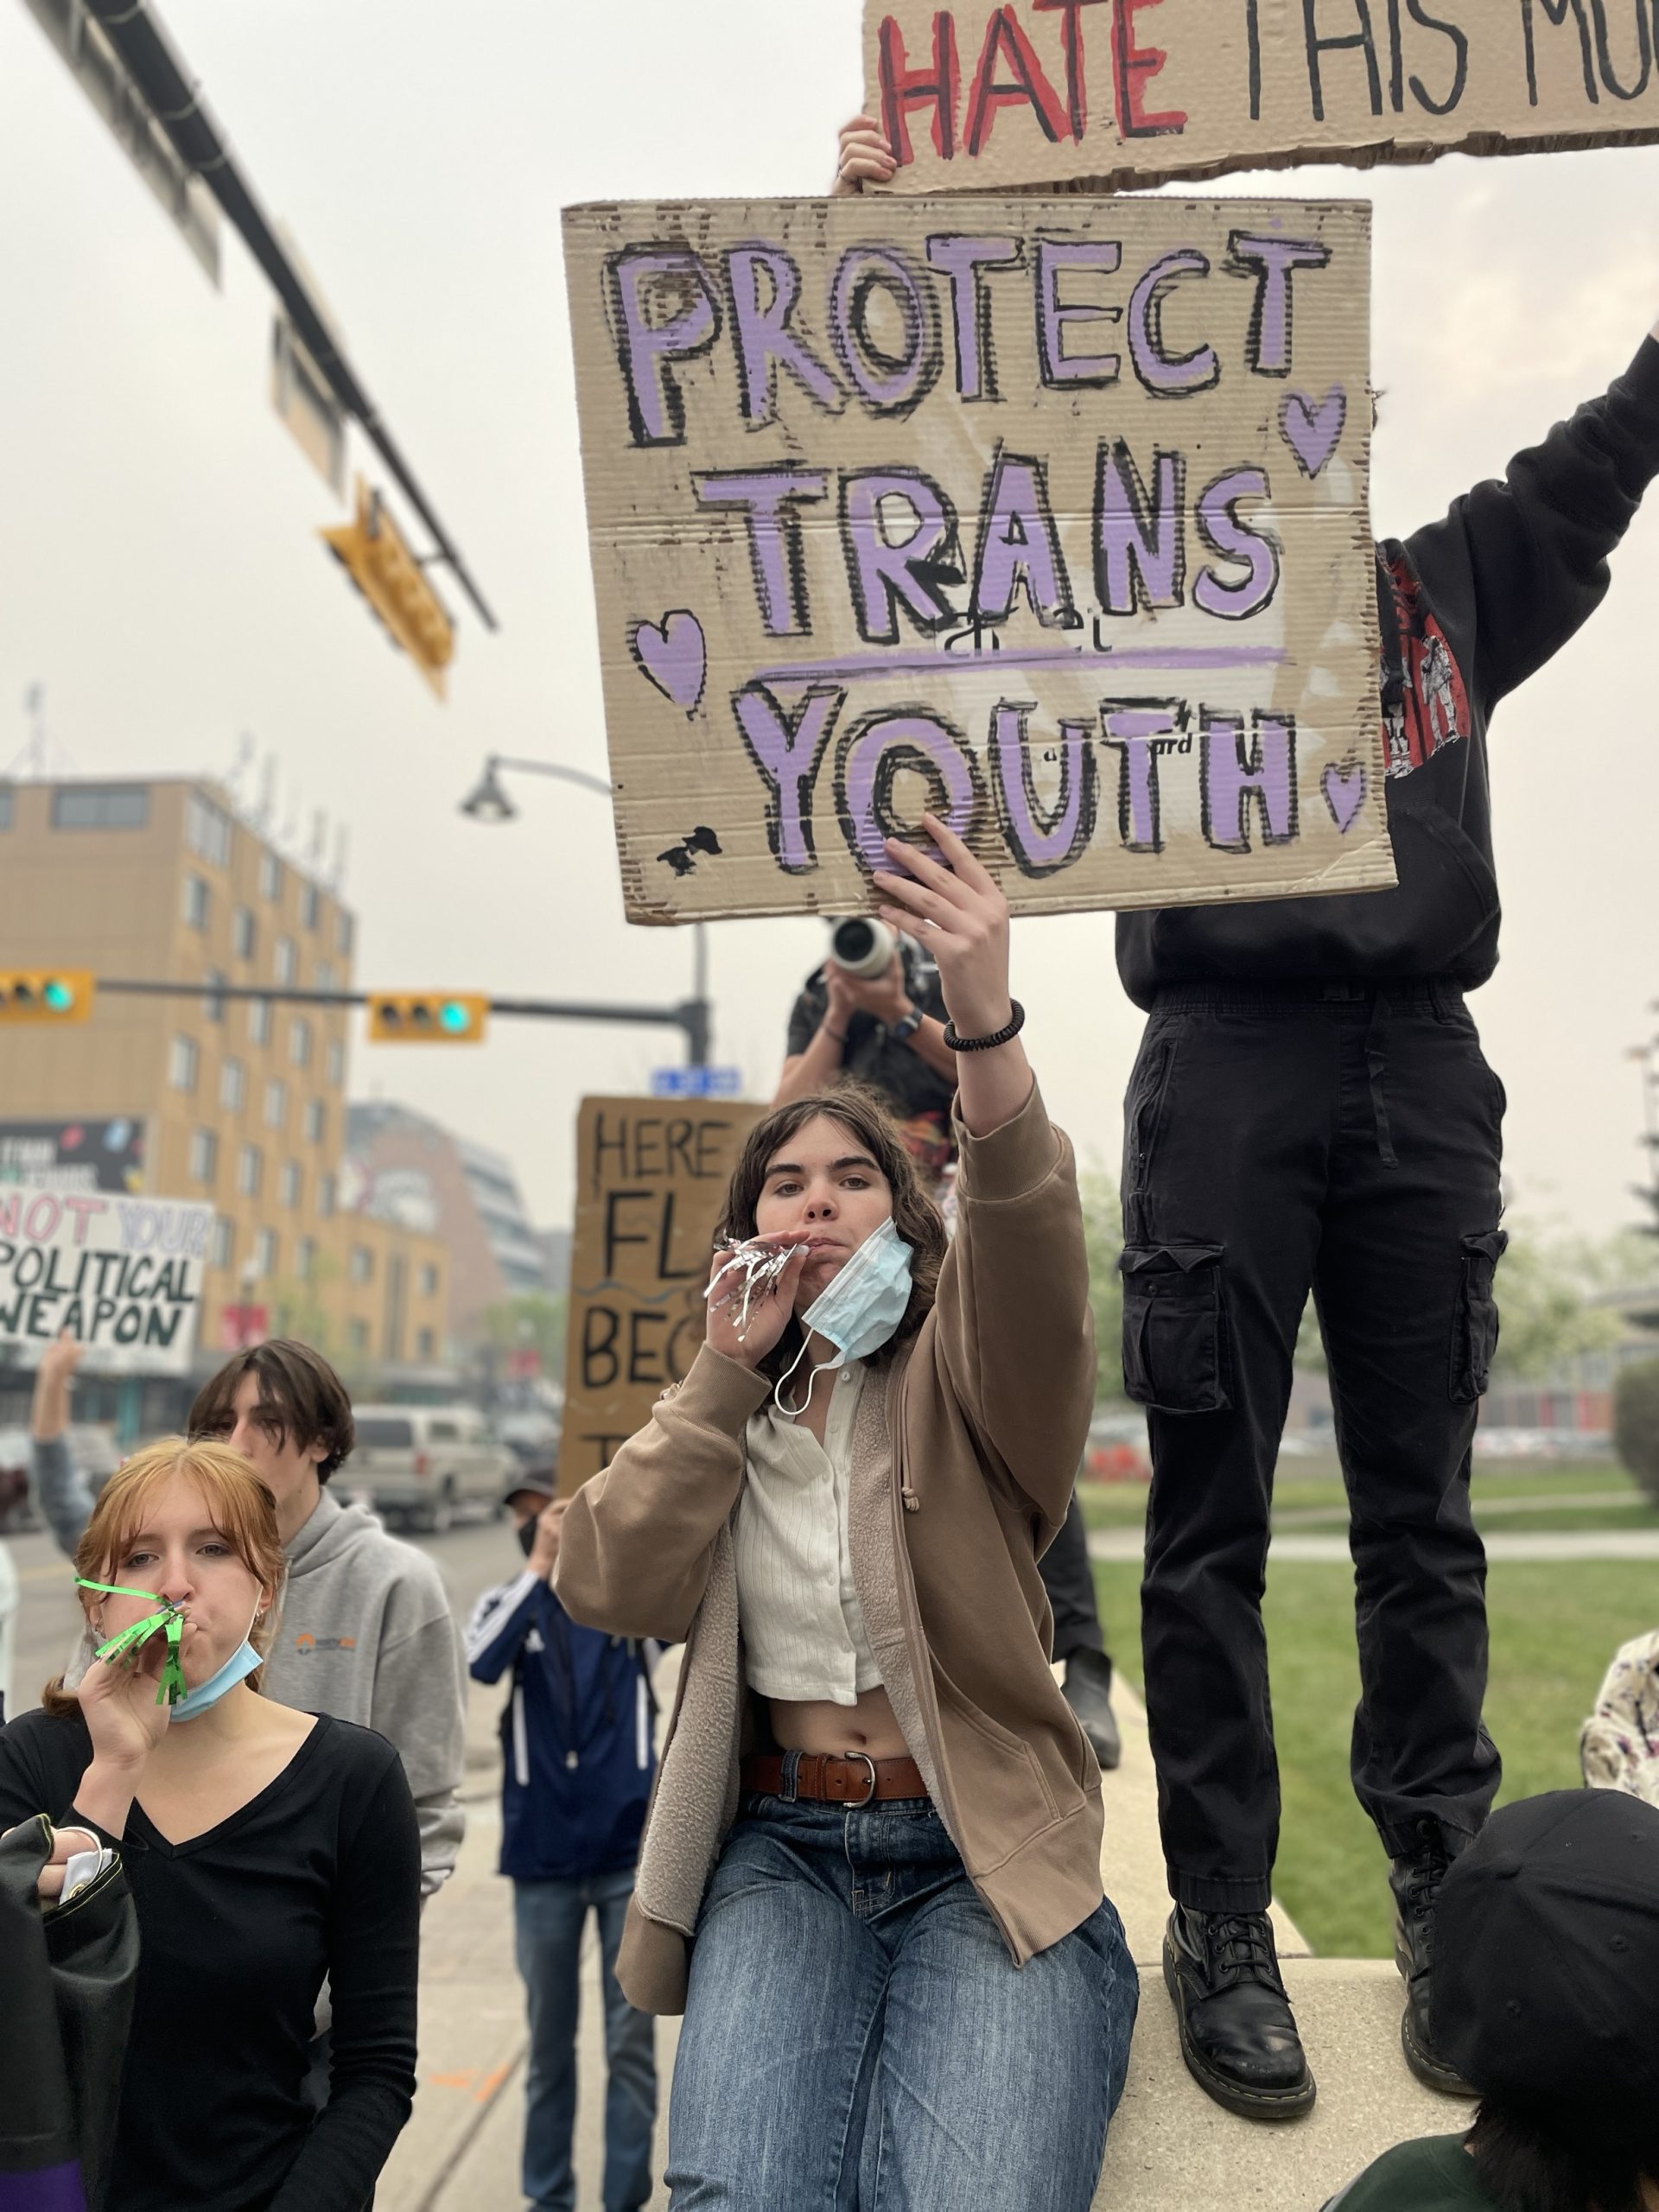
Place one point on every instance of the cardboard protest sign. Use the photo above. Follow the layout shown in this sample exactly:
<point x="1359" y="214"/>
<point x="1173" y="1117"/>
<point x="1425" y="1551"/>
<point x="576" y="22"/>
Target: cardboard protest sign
<point x="1049" y="515"/>
<point x="123" y="1275"/>
<point x="650" y="1180"/>
<point x="984" y="98"/>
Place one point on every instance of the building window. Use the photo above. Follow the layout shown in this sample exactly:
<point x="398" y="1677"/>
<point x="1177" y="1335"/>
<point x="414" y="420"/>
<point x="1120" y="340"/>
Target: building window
<point x="345" y="931"/>
<point x="222" y="1250"/>
<point x="362" y="1263"/>
<point x="325" y="1198"/>
<point x="310" y="906"/>
<point x="182" y="1063"/>
<point x="429" y="1281"/>
<point x="207" y="830"/>
<point x="213" y="1005"/>
<point x="336" y="1065"/>
<point x="359" y="1334"/>
<point x="204" y="1156"/>
<point x="299" y="1042"/>
<point x="286" y="961"/>
<point x="245" y="933"/>
<point x="100" y="806"/>
<point x="291" y="1184"/>
<point x="5" y="806"/>
<point x="250" y="1170"/>
<point x="258" y="1021"/>
<point x="270" y="876"/>
<point x="265" y="1252"/>
<point x="275" y="1102"/>
<point x="315" y="1119"/>
<point x="425" y="1348"/>
<point x="233" y="1087"/>
<point x="325" y="975"/>
<point x="196" y="901"/>
<point x="305" y="1258"/>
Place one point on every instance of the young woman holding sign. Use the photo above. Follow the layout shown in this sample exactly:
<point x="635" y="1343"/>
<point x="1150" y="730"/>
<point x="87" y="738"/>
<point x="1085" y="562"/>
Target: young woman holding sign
<point x="878" y="1820"/>
<point x="264" y="1850"/>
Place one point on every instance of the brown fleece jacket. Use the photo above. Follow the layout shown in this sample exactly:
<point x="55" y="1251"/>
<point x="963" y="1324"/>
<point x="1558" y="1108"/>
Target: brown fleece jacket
<point x="956" y="1489"/>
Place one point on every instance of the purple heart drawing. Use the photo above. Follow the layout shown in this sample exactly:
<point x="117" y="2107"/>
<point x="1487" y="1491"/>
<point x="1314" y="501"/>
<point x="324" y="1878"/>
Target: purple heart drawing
<point x="674" y="655"/>
<point x="1313" y="431"/>
<point x="1345" y="790"/>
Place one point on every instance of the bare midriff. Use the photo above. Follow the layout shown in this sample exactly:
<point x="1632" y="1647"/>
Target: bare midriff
<point x="867" y="1727"/>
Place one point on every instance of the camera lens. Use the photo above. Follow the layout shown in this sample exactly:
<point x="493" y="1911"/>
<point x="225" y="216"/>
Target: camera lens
<point x="854" y="942"/>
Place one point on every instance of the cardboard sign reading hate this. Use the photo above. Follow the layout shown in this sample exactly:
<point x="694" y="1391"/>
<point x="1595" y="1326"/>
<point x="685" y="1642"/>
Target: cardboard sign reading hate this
<point x="650" y="1180"/>
<point x="123" y="1275"/>
<point x="1048" y="515"/>
<point x="982" y="97"/>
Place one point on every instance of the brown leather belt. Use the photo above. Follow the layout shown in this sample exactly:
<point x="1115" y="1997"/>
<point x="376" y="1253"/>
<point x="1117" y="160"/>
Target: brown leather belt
<point x="851" y="1779"/>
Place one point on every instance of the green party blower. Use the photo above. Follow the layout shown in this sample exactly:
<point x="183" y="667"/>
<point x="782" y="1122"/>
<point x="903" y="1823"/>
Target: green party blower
<point x="167" y="1621"/>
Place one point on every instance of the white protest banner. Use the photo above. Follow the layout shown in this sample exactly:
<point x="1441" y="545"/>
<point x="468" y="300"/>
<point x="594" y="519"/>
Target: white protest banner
<point x="984" y="98"/>
<point x="123" y="1275"/>
<point x="1049" y="516"/>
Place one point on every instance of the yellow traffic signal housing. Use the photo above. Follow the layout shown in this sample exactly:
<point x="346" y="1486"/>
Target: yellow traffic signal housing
<point x="54" y="995"/>
<point x="375" y="556"/>
<point x="427" y="1018"/>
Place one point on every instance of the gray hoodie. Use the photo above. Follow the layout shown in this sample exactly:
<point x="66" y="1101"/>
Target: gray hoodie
<point x="365" y="1634"/>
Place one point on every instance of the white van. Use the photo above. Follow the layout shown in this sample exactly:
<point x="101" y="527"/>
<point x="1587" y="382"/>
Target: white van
<point x="421" y="1463"/>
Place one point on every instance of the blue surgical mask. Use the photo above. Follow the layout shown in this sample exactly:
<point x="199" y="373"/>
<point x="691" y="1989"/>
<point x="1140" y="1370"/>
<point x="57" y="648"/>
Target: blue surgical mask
<point x="858" y="1309"/>
<point x="236" y="1668"/>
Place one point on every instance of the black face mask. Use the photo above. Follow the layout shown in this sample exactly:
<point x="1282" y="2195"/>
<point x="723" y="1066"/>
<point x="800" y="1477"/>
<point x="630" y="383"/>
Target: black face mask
<point x="527" y="1538"/>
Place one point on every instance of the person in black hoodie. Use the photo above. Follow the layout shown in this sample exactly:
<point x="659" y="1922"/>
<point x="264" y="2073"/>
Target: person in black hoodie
<point x="1310" y="1109"/>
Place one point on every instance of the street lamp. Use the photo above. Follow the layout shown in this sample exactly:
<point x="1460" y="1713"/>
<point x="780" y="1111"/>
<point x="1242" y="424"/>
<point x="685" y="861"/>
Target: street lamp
<point x="488" y="802"/>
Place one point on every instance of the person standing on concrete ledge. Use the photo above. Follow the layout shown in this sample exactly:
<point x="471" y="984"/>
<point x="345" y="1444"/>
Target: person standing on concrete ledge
<point x="577" y="1763"/>
<point x="1547" y="2000"/>
<point x="871" y="1875"/>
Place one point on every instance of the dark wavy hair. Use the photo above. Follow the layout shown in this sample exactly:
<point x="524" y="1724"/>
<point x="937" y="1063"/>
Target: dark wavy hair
<point x="1527" y="2164"/>
<point x="915" y="1217"/>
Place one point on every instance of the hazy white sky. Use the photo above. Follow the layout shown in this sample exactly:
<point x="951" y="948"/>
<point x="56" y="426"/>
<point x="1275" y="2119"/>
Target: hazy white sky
<point x="160" y="575"/>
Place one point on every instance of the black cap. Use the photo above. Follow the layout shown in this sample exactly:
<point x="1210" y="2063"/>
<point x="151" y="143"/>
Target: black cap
<point x="540" y="1482"/>
<point x="1546" y="1960"/>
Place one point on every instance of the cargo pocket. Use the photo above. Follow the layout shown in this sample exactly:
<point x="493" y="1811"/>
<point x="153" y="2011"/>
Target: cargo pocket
<point x="1175" y="1355"/>
<point x="1474" y="1324"/>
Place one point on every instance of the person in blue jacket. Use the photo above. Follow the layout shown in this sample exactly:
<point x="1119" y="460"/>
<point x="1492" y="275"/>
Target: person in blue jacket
<point x="578" y="1759"/>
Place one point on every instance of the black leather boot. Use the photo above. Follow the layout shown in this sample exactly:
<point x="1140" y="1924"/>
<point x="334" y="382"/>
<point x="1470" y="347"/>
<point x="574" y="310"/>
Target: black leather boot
<point x="1238" y="2034"/>
<point x="1417" y="1885"/>
<point x="1088" y="1690"/>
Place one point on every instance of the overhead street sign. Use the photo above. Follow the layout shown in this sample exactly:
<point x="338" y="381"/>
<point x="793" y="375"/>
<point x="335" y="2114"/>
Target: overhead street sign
<point x="696" y="1082"/>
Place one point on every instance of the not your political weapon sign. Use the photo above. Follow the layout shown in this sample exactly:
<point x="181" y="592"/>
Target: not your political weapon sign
<point x="123" y="1275"/>
<point x="1049" y="515"/>
<point x="980" y="98"/>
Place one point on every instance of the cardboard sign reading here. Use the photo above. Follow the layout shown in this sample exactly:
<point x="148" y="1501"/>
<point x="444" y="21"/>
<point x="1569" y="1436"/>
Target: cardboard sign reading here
<point x="982" y="97"/>
<point x="1049" y="517"/>
<point x="650" y="1180"/>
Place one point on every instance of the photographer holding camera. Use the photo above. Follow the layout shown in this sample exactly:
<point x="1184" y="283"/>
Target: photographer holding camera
<point x="874" y="1014"/>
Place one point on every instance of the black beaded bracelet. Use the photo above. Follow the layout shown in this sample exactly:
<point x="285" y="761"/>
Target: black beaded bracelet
<point x="987" y="1044"/>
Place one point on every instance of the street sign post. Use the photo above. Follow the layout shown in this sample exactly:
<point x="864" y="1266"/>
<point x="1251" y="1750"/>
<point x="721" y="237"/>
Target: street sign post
<point x="696" y="1082"/>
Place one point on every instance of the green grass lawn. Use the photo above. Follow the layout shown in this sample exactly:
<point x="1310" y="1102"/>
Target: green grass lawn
<point x="1555" y="1628"/>
<point x="1307" y="1487"/>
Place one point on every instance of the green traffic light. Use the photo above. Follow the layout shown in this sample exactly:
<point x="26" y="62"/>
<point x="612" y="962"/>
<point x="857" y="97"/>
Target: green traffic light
<point x="59" y="997"/>
<point x="455" y="1017"/>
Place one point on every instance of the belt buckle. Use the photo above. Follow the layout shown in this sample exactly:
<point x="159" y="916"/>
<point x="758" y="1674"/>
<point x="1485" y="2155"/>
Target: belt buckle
<point x="869" y="1794"/>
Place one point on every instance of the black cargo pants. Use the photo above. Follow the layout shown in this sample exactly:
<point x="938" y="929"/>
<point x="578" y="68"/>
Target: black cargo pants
<point x="1345" y="1138"/>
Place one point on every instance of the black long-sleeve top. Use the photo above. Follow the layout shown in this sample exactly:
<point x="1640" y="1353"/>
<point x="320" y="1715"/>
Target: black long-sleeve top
<point x="319" y="1874"/>
<point x="1471" y="606"/>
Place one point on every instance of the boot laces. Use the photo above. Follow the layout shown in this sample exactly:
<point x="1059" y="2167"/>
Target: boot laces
<point x="1423" y="1889"/>
<point x="1241" y="1944"/>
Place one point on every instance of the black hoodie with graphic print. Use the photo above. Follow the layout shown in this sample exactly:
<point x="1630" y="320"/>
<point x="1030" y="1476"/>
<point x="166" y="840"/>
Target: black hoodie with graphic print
<point x="1471" y="606"/>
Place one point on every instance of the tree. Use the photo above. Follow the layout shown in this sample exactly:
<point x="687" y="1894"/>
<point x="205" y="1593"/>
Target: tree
<point x="1545" y="1283"/>
<point x="532" y="1322"/>
<point x="1103" y="1236"/>
<point x="1635" y="1423"/>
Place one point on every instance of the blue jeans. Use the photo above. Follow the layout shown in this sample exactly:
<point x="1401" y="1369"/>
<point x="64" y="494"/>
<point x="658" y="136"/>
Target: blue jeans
<point x="549" y="1917"/>
<point x="857" y="2038"/>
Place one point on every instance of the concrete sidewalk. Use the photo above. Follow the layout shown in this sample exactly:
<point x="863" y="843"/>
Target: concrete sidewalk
<point x="1171" y="2149"/>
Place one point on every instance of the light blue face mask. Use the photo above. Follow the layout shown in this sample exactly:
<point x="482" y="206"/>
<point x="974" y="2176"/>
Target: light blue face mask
<point x="236" y="1668"/>
<point x="858" y="1309"/>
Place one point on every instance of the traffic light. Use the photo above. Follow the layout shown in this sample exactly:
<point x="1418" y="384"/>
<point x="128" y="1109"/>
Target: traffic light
<point x="427" y="1018"/>
<point x="375" y="556"/>
<point x="56" y="994"/>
